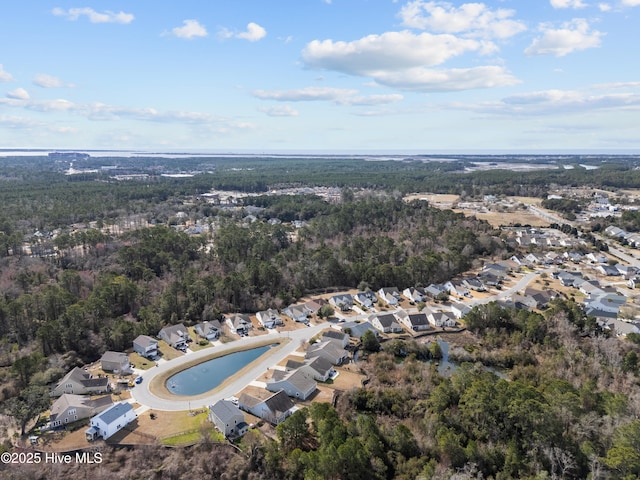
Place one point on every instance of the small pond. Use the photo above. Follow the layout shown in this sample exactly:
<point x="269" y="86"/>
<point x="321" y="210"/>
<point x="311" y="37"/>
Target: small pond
<point x="208" y="375"/>
<point x="446" y="367"/>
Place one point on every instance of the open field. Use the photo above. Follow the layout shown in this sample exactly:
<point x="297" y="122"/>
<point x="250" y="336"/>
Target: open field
<point x="497" y="219"/>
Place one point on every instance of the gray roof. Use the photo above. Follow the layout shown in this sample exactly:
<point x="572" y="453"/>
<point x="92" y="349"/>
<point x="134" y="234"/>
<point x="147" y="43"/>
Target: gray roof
<point x="358" y="329"/>
<point x="335" y="335"/>
<point x="112" y="414"/>
<point x="417" y="319"/>
<point x="225" y="410"/>
<point x="114" y="357"/>
<point x="299" y="379"/>
<point x="145" y="341"/>
<point x="71" y="400"/>
<point x="387" y="320"/>
<point x="320" y="364"/>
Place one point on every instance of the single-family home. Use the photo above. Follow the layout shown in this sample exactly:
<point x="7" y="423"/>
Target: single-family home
<point x="442" y="319"/>
<point x="70" y="408"/>
<point x="357" y="329"/>
<point x="340" y="338"/>
<point x="297" y="383"/>
<point x="176" y="336"/>
<point x="389" y="295"/>
<point x="297" y="313"/>
<point x="315" y="304"/>
<point x="116" y="362"/>
<point x="81" y="382"/>
<point x="416" y="322"/>
<point x="474" y="283"/>
<point x="535" y="259"/>
<point x="343" y="301"/>
<point x="210" y="330"/>
<point x="434" y="290"/>
<point x="366" y="299"/>
<point x="613" y="231"/>
<point x="385" y="323"/>
<point x="459" y="309"/>
<point x="240" y="323"/>
<point x="414" y="294"/>
<point x="458" y="288"/>
<point x="318" y="367"/>
<point x="607" y="270"/>
<point x="145" y="346"/>
<point x="274" y="408"/>
<point x="110" y="421"/>
<point x="228" y="419"/>
<point x="269" y="318"/>
<point x="328" y="350"/>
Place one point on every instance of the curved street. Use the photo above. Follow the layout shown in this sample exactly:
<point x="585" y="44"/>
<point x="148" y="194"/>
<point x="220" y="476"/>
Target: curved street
<point x="143" y="395"/>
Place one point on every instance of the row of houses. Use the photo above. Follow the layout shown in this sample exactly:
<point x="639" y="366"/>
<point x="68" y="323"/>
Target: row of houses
<point x="632" y="239"/>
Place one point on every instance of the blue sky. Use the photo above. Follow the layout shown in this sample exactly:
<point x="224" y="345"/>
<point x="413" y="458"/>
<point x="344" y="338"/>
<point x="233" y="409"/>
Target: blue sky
<point x="321" y="75"/>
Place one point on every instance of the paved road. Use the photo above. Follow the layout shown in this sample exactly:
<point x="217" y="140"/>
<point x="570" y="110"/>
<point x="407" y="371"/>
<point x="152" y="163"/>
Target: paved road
<point x="144" y="396"/>
<point x="520" y="285"/>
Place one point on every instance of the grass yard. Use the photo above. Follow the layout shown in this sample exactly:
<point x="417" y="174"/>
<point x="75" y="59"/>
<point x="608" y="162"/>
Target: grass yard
<point x="140" y="362"/>
<point x="168" y="353"/>
<point x="195" y="344"/>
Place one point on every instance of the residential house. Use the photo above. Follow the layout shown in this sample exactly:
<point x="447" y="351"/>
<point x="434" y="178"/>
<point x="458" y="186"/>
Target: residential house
<point x="328" y="350"/>
<point x="633" y="282"/>
<point x="176" y="336"/>
<point x="496" y="269"/>
<point x="145" y="346"/>
<point x="610" y="302"/>
<point x="275" y="408"/>
<point x="298" y="313"/>
<point x="319" y="368"/>
<point x="416" y="322"/>
<point x="414" y="294"/>
<point x="240" y="324"/>
<point x="70" y="408"/>
<point x="460" y="309"/>
<point x="613" y="231"/>
<point x="366" y="299"/>
<point x="474" y="283"/>
<point x="341" y="339"/>
<point x="442" y="319"/>
<point x="357" y="329"/>
<point x="385" y="323"/>
<point x="622" y="328"/>
<point x="116" y="362"/>
<point x="110" y="421"/>
<point x="210" y="330"/>
<point x="575" y="257"/>
<point x="343" y="301"/>
<point x="535" y="259"/>
<point x="389" y="295"/>
<point x="591" y="287"/>
<point x="297" y="383"/>
<point x="457" y="288"/>
<point x="607" y="270"/>
<point x="434" y="290"/>
<point x="228" y="419"/>
<point x="80" y="382"/>
<point x="269" y="318"/>
<point x="315" y="304"/>
<point x="595" y="257"/>
<point x="569" y="279"/>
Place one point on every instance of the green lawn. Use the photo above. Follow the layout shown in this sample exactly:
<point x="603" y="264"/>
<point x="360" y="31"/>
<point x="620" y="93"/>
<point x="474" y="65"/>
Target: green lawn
<point x="195" y="345"/>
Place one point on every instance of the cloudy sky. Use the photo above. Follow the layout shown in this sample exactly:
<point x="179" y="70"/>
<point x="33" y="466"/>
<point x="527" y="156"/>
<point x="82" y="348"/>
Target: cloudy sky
<point x="321" y="75"/>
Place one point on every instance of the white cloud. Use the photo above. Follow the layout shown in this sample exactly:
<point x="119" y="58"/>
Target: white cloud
<point x="568" y="4"/>
<point x="280" y="111"/>
<point x="253" y="33"/>
<point x="19" y="94"/>
<point x="447" y="80"/>
<point x="371" y="100"/>
<point x="47" y="81"/>
<point x="474" y="19"/>
<point x="631" y="3"/>
<point x="189" y="30"/>
<point x="93" y="16"/>
<point x="4" y="75"/>
<point x="548" y="102"/>
<point x="388" y="51"/>
<point x="572" y="36"/>
<point x="304" y="94"/>
<point x="604" y="7"/>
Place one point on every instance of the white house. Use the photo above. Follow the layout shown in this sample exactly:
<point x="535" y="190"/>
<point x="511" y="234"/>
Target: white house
<point x="116" y="362"/>
<point x="111" y="421"/>
<point x="385" y="323"/>
<point x="228" y="418"/>
<point x="176" y="336"/>
<point x="145" y="346"/>
<point x="269" y="318"/>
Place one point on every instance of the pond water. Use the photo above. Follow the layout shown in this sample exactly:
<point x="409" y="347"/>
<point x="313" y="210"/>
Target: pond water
<point x="208" y="375"/>
<point x="446" y="368"/>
